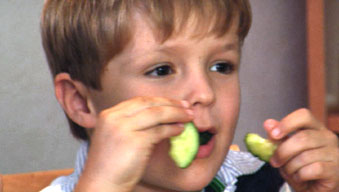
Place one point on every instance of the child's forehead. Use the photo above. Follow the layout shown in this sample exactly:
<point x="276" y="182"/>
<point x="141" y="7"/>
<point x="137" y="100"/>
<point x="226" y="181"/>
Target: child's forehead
<point x="144" y="45"/>
<point x="198" y="20"/>
<point x="144" y="33"/>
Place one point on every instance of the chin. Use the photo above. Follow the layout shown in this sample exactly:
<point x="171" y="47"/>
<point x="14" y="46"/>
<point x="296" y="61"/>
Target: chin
<point x="195" y="178"/>
<point x="191" y="179"/>
<point x="195" y="184"/>
<point x="164" y="175"/>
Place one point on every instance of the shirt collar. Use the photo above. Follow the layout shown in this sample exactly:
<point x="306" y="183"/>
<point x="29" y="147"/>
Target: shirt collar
<point x="236" y="163"/>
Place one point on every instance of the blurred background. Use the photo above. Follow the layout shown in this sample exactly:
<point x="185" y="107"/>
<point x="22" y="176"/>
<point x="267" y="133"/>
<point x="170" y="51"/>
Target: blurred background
<point x="34" y="134"/>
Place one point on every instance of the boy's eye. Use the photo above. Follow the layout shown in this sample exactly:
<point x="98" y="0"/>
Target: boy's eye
<point x="160" y="71"/>
<point x="223" y="67"/>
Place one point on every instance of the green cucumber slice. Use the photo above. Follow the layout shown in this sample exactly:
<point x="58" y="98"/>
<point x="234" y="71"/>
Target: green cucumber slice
<point x="260" y="147"/>
<point x="184" y="147"/>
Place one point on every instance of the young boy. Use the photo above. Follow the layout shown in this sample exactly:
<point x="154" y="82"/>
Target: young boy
<point x="130" y="73"/>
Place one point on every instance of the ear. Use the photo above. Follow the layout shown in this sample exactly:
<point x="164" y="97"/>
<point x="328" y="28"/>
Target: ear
<point x="73" y="97"/>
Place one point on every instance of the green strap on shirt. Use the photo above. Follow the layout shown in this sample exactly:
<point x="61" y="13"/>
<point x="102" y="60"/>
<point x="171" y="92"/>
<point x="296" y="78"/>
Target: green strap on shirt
<point x="216" y="185"/>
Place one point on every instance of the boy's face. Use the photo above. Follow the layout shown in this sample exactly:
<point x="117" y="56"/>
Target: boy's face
<point x="203" y="71"/>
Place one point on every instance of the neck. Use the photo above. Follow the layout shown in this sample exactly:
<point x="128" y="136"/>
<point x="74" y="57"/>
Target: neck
<point x="145" y="187"/>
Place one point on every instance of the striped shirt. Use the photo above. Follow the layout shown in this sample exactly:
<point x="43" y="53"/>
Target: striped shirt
<point x="236" y="164"/>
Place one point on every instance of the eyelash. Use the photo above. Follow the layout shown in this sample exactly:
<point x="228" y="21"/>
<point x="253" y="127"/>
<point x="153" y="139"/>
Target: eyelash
<point x="163" y="70"/>
<point x="223" y="67"/>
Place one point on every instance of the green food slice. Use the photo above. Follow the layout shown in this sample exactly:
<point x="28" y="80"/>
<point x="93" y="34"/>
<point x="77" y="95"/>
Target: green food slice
<point x="260" y="147"/>
<point x="184" y="147"/>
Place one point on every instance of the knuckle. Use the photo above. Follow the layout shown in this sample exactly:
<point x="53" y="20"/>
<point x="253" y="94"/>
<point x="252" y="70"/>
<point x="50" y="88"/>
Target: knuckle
<point x="150" y="101"/>
<point x="306" y="114"/>
<point x="330" y="136"/>
<point x="302" y="137"/>
<point x="313" y="171"/>
<point x="304" y="111"/>
<point x="156" y="110"/>
<point x="108" y="119"/>
<point x="164" y="111"/>
<point x="103" y="114"/>
<point x="289" y="169"/>
<point x="141" y="99"/>
<point x="303" y="158"/>
<point x="318" y="169"/>
<point x="106" y="116"/>
<point x="336" y="158"/>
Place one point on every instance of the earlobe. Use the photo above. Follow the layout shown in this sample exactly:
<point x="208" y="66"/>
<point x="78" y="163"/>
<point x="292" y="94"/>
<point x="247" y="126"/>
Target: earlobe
<point x="74" y="99"/>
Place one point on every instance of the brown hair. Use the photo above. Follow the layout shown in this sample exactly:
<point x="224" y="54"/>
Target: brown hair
<point x="81" y="36"/>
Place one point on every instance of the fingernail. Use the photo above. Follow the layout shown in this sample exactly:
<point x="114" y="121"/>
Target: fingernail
<point x="185" y="103"/>
<point x="270" y="123"/>
<point x="276" y="133"/>
<point x="190" y="112"/>
<point x="274" y="162"/>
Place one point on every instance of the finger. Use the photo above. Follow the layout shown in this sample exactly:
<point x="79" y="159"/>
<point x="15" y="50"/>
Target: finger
<point x="161" y="132"/>
<point x="131" y="106"/>
<point x="314" y="171"/>
<point x="306" y="158"/>
<point x="299" y="119"/>
<point x="296" y="144"/>
<point x="157" y="115"/>
<point x="269" y="125"/>
<point x="134" y="105"/>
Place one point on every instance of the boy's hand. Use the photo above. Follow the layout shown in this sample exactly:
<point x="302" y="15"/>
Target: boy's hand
<point x="124" y="138"/>
<point x="307" y="154"/>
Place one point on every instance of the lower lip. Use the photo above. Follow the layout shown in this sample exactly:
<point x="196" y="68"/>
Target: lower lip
<point x="206" y="150"/>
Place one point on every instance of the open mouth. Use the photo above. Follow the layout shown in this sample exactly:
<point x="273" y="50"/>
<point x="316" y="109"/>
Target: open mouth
<point x="205" y="137"/>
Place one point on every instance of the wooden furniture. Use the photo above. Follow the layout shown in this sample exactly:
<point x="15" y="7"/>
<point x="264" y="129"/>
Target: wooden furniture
<point x="315" y="19"/>
<point x="30" y="182"/>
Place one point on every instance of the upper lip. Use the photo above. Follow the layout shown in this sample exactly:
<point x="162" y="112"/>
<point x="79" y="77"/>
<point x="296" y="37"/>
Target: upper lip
<point x="210" y="129"/>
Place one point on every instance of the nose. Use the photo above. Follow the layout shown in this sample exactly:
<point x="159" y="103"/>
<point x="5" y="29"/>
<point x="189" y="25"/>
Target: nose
<point x="199" y="90"/>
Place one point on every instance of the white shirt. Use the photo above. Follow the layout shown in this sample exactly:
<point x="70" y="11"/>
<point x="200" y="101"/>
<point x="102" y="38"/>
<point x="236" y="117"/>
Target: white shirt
<point x="236" y="163"/>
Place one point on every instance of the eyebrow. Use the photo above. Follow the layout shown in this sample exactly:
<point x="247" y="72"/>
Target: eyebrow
<point x="231" y="46"/>
<point x="234" y="46"/>
<point x="222" y="47"/>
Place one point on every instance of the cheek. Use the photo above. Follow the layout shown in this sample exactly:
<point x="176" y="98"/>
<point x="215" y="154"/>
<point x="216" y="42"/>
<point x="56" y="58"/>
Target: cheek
<point x="228" y="106"/>
<point x="136" y="89"/>
<point x="114" y="93"/>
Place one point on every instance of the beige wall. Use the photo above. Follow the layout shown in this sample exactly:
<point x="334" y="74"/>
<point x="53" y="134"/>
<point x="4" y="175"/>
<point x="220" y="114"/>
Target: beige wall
<point x="274" y="63"/>
<point x="34" y="133"/>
